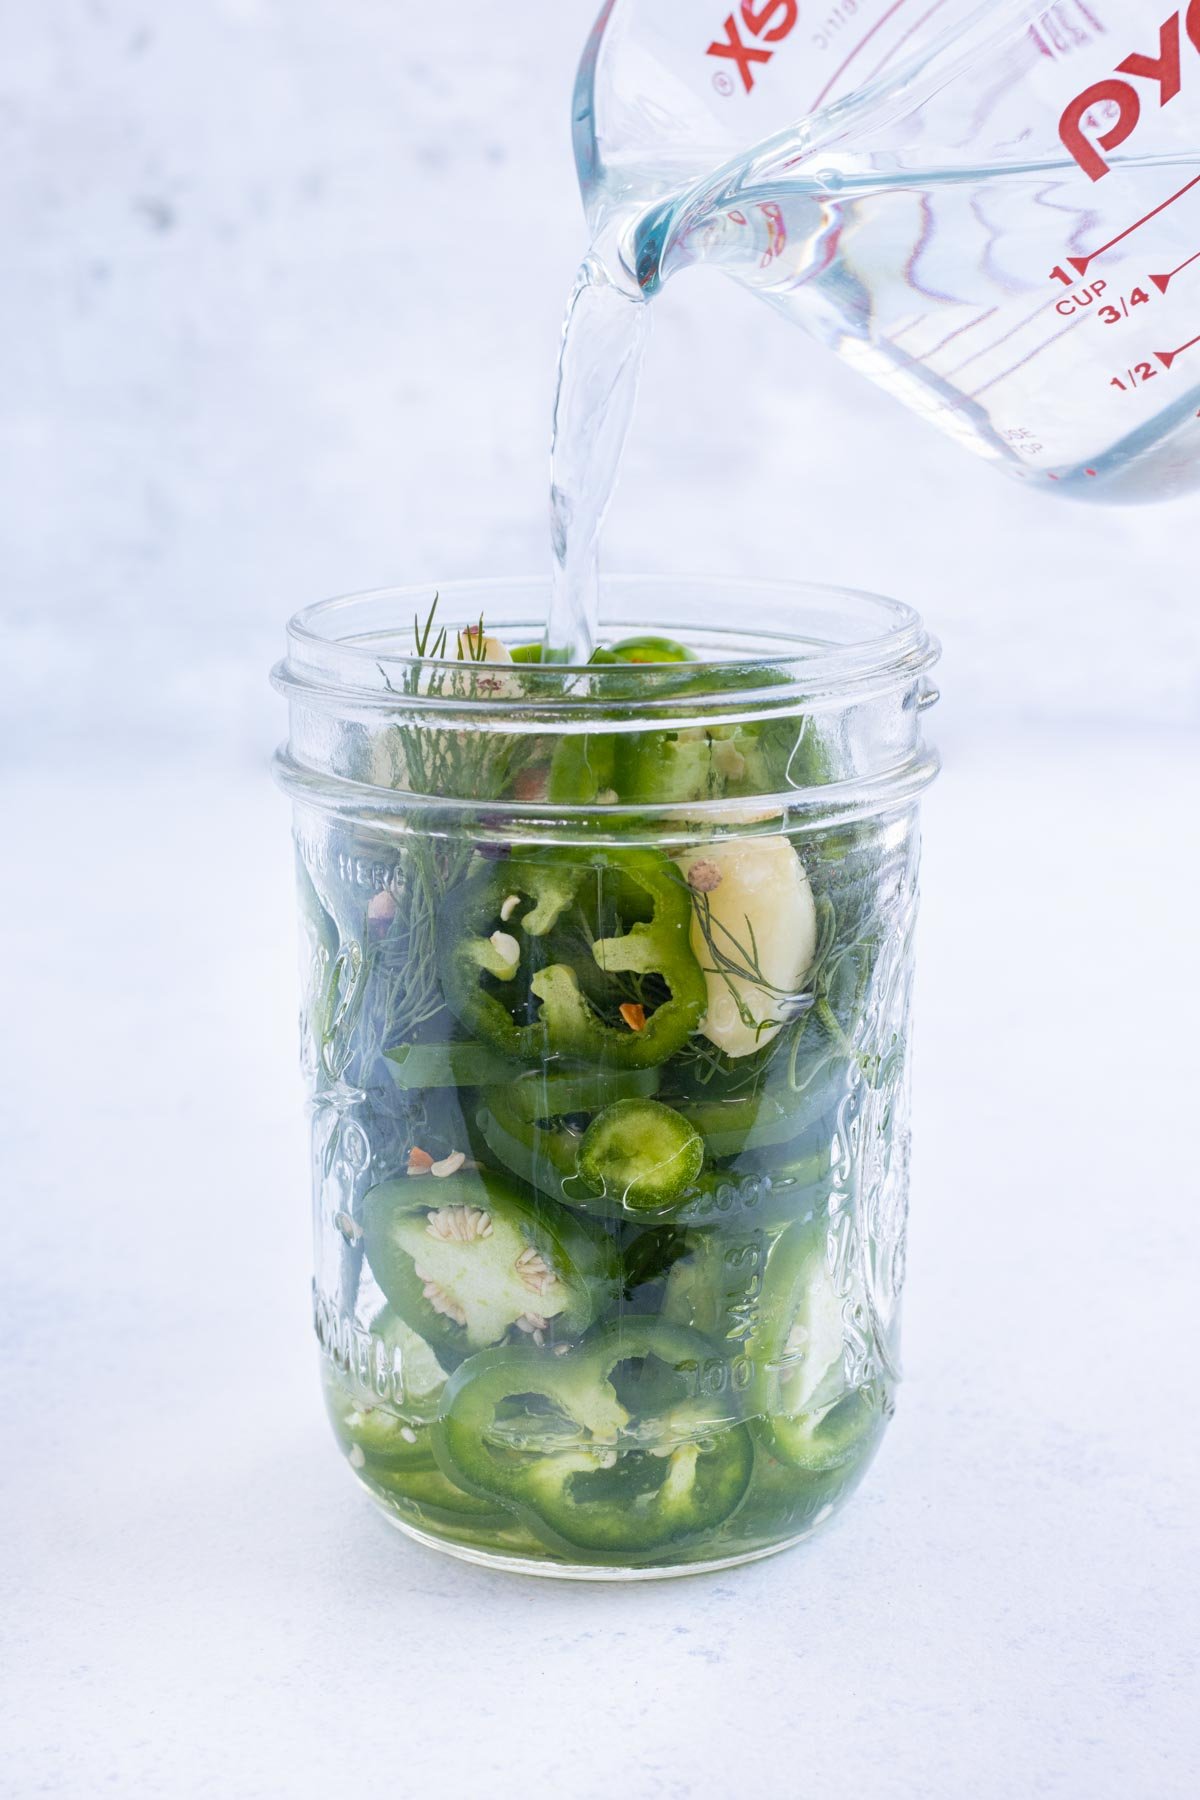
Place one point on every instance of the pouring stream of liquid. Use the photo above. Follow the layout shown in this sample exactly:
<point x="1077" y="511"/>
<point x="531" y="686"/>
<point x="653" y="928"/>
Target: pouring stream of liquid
<point x="604" y="340"/>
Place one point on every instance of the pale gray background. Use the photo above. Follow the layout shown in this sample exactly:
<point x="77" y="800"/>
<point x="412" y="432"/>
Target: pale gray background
<point x="281" y="290"/>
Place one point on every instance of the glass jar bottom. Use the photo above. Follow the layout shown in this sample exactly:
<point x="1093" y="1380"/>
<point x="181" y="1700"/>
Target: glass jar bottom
<point x="554" y="1571"/>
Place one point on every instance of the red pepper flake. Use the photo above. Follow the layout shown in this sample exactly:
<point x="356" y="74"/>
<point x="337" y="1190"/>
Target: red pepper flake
<point x="419" y="1161"/>
<point x="530" y="786"/>
<point x="634" y="1016"/>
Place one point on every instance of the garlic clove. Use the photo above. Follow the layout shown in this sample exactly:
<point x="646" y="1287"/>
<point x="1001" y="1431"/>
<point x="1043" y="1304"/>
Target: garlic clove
<point x="750" y="891"/>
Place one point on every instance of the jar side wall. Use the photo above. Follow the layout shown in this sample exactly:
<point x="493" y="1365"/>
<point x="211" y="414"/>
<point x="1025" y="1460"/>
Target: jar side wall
<point x="606" y="1009"/>
<point x="800" y="1241"/>
<point x="617" y="778"/>
<point x="365" y="728"/>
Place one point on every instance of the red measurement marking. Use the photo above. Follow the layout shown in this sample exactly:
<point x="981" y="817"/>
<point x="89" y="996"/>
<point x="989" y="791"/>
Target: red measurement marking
<point x="1022" y="361"/>
<point x="1167" y="357"/>
<point x="937" y="348"/>
<point x="969" y="326"/>
<point x="1163" y="282"/>
<point x="863" y="41"/>
<point x="1081" y="263"/>
<point x="902" y="39"/>
<point x="952" y="374"/>
<point x="861" y="45"/>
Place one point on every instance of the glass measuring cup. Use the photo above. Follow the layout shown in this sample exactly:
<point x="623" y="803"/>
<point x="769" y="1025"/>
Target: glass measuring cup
<point x="993" y="212"/>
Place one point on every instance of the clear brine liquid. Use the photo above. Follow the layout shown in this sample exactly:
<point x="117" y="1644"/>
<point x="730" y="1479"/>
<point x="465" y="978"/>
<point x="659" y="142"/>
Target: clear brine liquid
<point x="946" y="246"/>
<point x="999" y="303"/>
<point x="604" y="337"/>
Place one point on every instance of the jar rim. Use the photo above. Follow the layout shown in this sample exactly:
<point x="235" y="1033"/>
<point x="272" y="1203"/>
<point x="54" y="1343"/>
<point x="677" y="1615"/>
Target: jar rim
<point x="352" y="679"/>
<point x="812" y="641"/>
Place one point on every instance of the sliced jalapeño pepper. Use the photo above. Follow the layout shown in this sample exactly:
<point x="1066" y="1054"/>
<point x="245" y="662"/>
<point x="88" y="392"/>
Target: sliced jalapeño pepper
<point x="646" y="649"/>
<point x="467" y="1259"/>
<point x="372" y="1434"/>
<point x="785" y="1502"/>
<point x="763" y="756"/>
<point x="554" y="1439"/>
<point x="437" y="1500"/>
<point x="752" y="1121"/>
<point x="715" y="1287"/>
<point x="388" y="1430"/>
<point x="809" y="1416"/>
<point x="641" y="1152"/>
<point x="582" y="768"/>
<point x="515" y="1127"/>
<point x="530" y="1012"/>
<point x="561" y="1091"/>
<point x="546" y="1156"/>
<point x="447" y="1065"/>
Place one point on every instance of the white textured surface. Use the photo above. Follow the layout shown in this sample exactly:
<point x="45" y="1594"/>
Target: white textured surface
<point x="197" y="1601"/>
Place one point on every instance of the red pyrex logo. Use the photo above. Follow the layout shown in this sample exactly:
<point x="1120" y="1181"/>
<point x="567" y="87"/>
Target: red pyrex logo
<point x="770" y="21"/>
<point x="1164" y="69"/>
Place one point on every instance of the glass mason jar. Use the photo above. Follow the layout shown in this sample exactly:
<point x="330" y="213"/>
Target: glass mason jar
<point x="605" y="1026"/>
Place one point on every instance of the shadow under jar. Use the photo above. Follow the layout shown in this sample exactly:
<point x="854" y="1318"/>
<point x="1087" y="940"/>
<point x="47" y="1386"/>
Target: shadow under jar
<point x="605" y="1025"/>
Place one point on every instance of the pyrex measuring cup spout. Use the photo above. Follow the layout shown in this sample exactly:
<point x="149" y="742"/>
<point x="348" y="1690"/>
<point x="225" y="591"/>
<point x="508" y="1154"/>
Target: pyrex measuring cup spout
<point x="992" y="211"/>
<point x="757" y="238"/>
<point x="650" y="240"/>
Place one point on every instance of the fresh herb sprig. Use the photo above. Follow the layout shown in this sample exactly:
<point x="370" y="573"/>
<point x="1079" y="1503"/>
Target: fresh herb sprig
<point x="450" y="763"/>
<point x="737" y="960"/>
<point x="403" y="993"/>
<point x="813" y="1035"/>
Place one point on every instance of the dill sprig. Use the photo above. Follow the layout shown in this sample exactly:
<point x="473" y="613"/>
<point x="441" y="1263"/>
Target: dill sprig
<point x="737" y="960"/>
<point x="839" y="977"/>
<point x="455" y="764"/>
<point x="815" y="1033"/>
<point x="402" y="993"/>
<point x="422" y="635"/>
